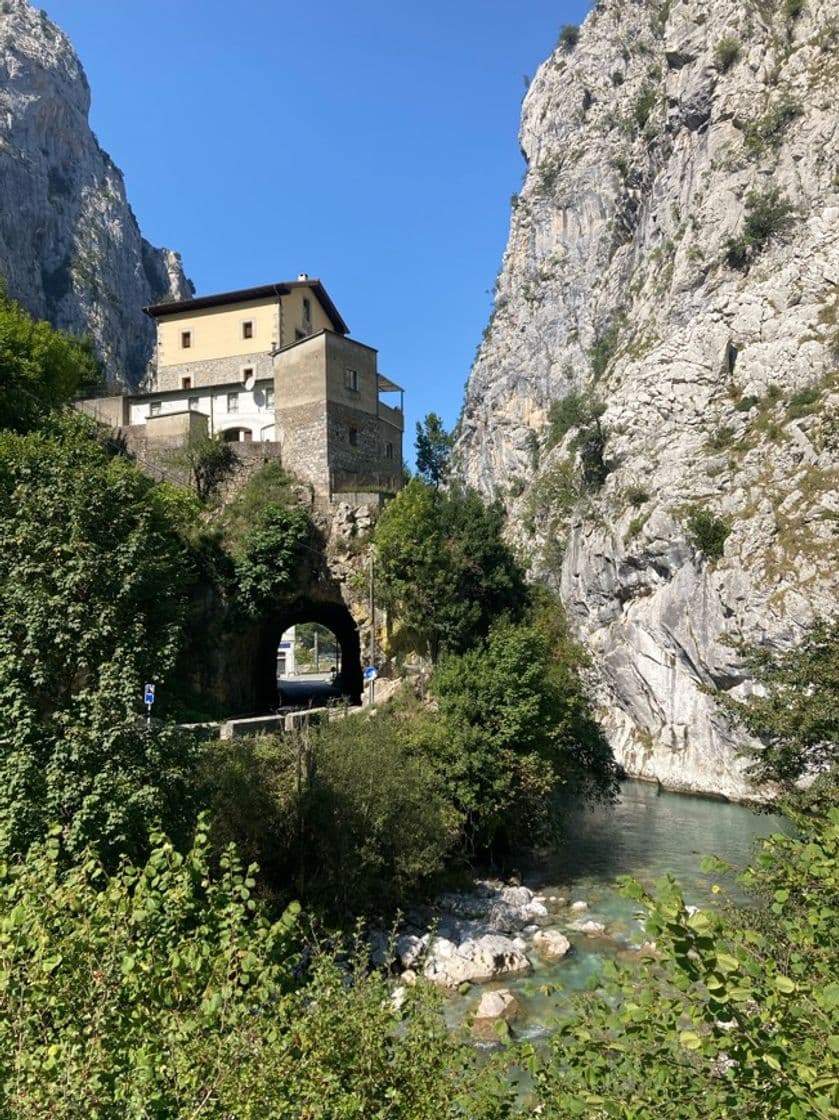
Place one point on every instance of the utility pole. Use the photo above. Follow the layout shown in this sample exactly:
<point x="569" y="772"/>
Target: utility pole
<point x="317" y="653"/>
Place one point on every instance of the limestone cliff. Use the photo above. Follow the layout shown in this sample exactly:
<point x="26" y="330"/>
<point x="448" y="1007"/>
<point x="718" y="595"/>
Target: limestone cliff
<point x="70" y="247"/>
<point x="673" y="263"/>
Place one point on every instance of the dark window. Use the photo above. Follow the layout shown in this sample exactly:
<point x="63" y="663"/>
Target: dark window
<point x="388" y="450"/>
<point x="186" y="382"/>
<point x="247" y="328"/>
<point x="353" y="437"/>
<point x="351" y="380"/>
<point x="154" y="408"/>
<point x="186" y="340"/>
<point x="232" y="402"/>
<point x="307" y="310"/>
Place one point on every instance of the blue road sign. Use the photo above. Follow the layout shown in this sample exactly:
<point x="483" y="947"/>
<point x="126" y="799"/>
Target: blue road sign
<point x="148" y="694"/>
<point x="370" y="673"/>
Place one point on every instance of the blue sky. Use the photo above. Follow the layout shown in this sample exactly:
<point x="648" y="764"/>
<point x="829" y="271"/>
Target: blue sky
<point x="371" y="144"/>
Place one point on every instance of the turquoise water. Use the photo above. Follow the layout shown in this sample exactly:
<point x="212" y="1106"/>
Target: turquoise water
<point x="647" y="834"/>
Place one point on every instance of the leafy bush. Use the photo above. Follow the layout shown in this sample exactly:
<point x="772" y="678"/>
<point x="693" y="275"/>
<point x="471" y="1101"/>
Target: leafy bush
<point x="207" y="460"/>
<point x="94" y="578"/>
<point x="574" y="410"/>
<point x="802" y="403"/>
<point x="792" y="9"/>
<point x="767" y="215"/>
<point x="737" y="1015"/>
<point x="767" y="131"/>
<point x="706" y="532"/>
<point x="41" y="369"/>
<point x="636" y="495"/>
<point x="721" y="439"/>
<point x="635" y="526"/>
<point x="726" y="54"/>
<point x="433" y="448"/>
<point x="270" y="555"/>
<point x="569" y="36"/>
<point x="746" y="404"/>
<point x="643" y="106"/>
<point x="444" y="570"/>
<point x="797" y="716"/>
<point x="514" y="722"/>
<point x="603" y="350"/>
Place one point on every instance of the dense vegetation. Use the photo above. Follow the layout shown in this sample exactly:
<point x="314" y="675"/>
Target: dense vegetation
<point x="160" y="976"/>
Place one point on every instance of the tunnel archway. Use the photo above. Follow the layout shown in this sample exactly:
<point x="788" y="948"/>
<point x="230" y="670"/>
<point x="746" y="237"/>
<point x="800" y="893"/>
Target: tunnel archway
<point x="335" y="617"/>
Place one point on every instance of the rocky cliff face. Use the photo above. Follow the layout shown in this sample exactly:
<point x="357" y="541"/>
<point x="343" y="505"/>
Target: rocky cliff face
<point x="70" y="247"/>
<point x="673" y="263"/>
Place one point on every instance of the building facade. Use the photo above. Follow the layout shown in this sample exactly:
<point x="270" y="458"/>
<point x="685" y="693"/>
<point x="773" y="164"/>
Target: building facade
<point x="271" y="364"/>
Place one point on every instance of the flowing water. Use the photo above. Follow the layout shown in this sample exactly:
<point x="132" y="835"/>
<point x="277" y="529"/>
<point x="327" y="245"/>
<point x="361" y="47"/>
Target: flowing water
<point x="649" y="833"/>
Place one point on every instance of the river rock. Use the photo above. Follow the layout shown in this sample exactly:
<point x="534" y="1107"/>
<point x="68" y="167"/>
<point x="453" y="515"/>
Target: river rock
<point x="593" y="929"/>
<point x="484" y="958"/>
<point x="409" y="949"/>
<point x="500" y="1004"/>
<point x="551" y="945"/>
<point x="516" y="896"/>
<point x="579" y="907"/>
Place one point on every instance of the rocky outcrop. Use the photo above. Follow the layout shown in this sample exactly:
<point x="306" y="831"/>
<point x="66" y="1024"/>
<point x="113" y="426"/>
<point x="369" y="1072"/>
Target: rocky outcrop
<point x="655" y="397"/>
<point x="70" y="247"/>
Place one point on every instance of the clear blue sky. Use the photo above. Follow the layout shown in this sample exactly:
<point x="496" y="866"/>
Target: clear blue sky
<point x="372" y="144"/>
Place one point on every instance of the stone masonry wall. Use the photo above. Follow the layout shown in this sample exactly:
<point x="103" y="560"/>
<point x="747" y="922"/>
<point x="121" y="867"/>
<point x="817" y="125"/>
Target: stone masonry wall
<point x="213" y="371"/>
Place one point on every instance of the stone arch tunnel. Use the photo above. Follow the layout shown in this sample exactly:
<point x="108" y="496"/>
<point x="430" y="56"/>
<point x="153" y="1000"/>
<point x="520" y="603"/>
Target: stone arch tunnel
<point x="335" y="616"/>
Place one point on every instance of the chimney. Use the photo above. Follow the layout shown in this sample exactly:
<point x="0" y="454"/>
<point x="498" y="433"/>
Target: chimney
<point x="303" y="276"/>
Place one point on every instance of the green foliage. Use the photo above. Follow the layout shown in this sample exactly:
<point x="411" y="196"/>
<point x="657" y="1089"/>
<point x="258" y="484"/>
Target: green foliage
<point x="706" y="532"/>
<point x="603" y="350"/>
<point x="721" y="439"/>
<point x="803" y="402"/>
<point x="270" y="557"/>
<point x="726" y="53"/>
<point x="636" y="495"/>
<point x="444" y="569"/>
<point x="792" y="9"/>
<point x="208" y="461"/>
<point x="574" y="410"/>
<point x="643" y="106"/>
<point x="797" y="717"/>
<point x="569" y="36"/>
<point x="767" y="215"/>
<point x="736" y="1019"/>
<point x="746" y="404"/>
<point x="41" y="369"/>
<point x="93" y="585"/>
<point x="514" y="723"/>
<point x="768" y="131"/>
<point x="635" y="526"/>
<point x="433" y="448"/>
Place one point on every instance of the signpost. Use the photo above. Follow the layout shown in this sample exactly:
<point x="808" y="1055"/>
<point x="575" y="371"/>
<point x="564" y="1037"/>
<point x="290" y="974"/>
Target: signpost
<point x="148" y="700"/>
<point x="370" y="675"/>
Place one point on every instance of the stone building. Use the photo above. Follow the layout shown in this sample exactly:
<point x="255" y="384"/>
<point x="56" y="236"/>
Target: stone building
<point x="271" y="364"/>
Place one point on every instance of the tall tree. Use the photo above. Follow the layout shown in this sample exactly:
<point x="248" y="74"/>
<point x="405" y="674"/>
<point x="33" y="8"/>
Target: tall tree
<point x="433" y="448"/>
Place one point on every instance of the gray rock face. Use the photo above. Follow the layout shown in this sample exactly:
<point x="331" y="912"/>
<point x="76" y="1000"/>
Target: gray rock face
<point x="474" y="961"/>
<point x="70" y="247"/>
<point x="650" y="147"/>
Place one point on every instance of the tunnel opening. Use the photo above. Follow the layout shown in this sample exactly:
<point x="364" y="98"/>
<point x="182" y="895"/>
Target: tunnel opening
<point x="336" y="618"/>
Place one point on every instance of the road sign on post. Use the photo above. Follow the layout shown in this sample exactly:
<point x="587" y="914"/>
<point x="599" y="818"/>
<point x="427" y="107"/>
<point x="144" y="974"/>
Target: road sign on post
<point x="148" y="700"/>
<point x="370" y="675"/>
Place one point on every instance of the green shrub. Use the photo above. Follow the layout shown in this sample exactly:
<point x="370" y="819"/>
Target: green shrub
<point x="792" y="9"/>
<point x="269" y="556"/>
<point x="635" y="526"/>
<point x="636" y="495"/>
<point x="569" y="36"/>
<point x="721" y="439"/>
<point x="574" y="410"/>
<point x="803" y="403"/>
<point x="726" y="54"/>
<point x="643" y="106"/>
<point x="208" y="461"/>
<point x="746" y="404"/>
<point x="706" y="532"/>
<point x="767" y="215"/>
<point x="516" y="487"/>
<point x="768" y="131"/>
<point x="603" y="350"/>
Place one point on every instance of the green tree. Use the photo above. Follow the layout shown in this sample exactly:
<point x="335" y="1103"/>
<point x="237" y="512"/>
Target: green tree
<point x="797" y="716"/>
<point x="515" y="725"/>
<point x="433" y="449"/>
<point x="444" y="569"/>
<point x="269" y="555"/>
<point x="93" y="585"/>
<point x="207" y="460"/>
<point x="41" y="369"/>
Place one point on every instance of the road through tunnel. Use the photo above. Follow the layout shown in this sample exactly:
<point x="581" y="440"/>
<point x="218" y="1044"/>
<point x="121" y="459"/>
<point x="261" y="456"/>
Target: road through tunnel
<point x="335" y="617"/>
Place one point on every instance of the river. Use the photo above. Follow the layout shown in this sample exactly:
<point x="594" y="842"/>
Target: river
<point x="647" y="834"/>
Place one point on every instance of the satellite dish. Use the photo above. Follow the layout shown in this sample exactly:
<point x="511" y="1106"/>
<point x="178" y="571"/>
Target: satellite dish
<point x="250" y="381"/>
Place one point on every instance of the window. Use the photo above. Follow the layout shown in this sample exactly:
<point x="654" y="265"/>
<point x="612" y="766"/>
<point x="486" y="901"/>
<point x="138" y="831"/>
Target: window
<point x="154" y="408"/>
<point x="307" y="311"/>
<point x="353" y="437"/>
<point x="193" y="404"/>
<point x="186" y="382"/>
<point x="247" y="328"/>
<point x="351" y="380"/>
<point x="269" y="398"/>
<point x="232" y="402"/>
<point x="247" y="373"/>
<point x="186" y="340"/>
<point x="388" y="450"/>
